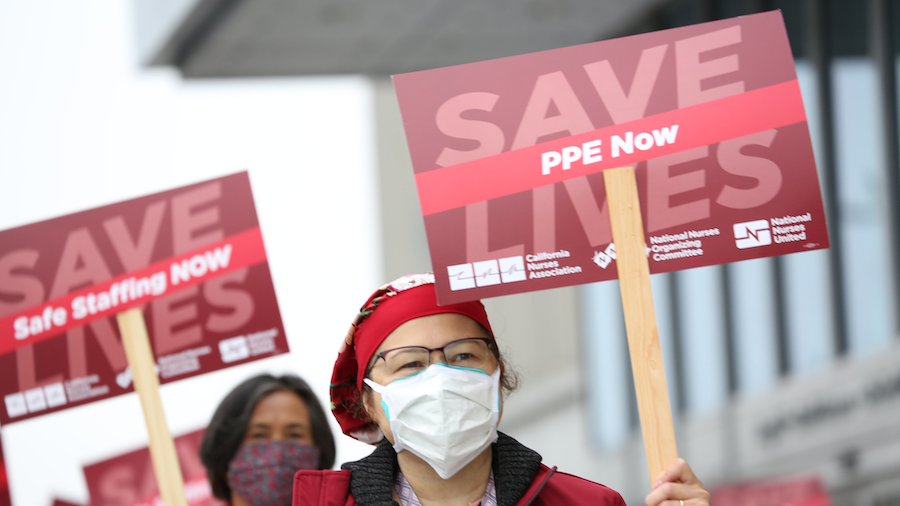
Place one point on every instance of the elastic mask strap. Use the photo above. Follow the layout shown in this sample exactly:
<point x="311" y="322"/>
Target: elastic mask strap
<point x="495" y="385"/>
<point x="398" y="446"/>
<point x="380" y="389"/>
<point x="375" y="386"/>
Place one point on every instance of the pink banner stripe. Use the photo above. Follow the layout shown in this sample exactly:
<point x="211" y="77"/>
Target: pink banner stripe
<point x="699" y="125"/>
<point x="240" y="250"/>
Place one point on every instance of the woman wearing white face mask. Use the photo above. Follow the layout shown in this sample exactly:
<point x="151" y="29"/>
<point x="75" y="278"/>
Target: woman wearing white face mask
<point x="425" y="381"/>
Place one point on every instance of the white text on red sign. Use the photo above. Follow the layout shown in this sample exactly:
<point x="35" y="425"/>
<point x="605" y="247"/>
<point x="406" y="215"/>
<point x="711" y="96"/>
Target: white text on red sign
<point x="122" y="292"/>
<point x="590" y="152"/>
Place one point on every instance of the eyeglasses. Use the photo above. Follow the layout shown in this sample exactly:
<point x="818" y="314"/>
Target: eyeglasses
<point x="405" y="361"/>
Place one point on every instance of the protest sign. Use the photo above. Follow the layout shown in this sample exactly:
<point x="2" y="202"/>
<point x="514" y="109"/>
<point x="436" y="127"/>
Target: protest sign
<point x="658" y="152"/>
<point x="128" y="479"/>
<point x="192" y="258"/>
<point x="508" y="156"/>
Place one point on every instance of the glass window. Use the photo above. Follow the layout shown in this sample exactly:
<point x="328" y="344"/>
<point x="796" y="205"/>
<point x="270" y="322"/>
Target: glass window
<point x="806" y="275"/>
<point x="606" y="363"/>
<point x="755" y="324"/>
<point x="862" y="199"/>
<point x="611" y="401"/>
<point x="702" y="333"/>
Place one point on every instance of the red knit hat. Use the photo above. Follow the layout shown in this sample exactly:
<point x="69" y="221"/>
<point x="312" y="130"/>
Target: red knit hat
<point x="392" y="305"/>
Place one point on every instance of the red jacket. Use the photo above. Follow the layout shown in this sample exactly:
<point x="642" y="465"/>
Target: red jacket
<point x="369" y="482"/>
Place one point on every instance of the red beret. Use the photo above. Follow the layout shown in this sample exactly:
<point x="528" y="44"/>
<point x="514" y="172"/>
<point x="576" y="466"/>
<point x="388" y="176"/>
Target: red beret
<point x="392" y="305"/>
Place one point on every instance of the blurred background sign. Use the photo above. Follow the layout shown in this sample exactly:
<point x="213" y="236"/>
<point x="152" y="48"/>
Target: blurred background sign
<point x="4" y="480"/>
<point x="799" y="491"/>
<point x="128" y="479"/>
<point x="61" y="502"/>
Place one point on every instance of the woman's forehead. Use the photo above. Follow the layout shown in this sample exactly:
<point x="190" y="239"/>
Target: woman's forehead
<point x="280" y="405"/>
<point x="433" y="331"/>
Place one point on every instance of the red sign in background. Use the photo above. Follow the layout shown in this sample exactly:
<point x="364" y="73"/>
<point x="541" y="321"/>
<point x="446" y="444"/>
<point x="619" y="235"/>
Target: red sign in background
<point x="129" y="479"/>
<point x="4" y="480"/>
<point x="192" y="257"/>
<point x="794" y="491"/>
<point x="508" y="156"/>
<point x="60" y="502"/>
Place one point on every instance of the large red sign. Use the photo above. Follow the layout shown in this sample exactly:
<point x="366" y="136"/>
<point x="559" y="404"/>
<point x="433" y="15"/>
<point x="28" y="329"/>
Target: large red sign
<point x="129" y="479"/>
<point x="508" y="156"/>
<point x="192" y="258"/>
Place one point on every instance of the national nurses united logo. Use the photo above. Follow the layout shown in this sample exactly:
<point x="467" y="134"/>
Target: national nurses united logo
<point x="752" y="234"/>
<point x="784" y="229"/>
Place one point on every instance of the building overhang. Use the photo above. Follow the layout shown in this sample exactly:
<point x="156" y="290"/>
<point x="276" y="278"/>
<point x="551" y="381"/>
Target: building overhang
<point x="263" y="38"/>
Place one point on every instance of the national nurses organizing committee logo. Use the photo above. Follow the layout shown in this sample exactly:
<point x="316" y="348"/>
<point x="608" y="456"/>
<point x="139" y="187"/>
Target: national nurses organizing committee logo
<point x="752" y="234"/>
<point x="605" y="257"/>
<point x="486" y="273"/>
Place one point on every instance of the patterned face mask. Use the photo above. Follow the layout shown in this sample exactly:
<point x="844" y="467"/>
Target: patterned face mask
<point x="263" y="473"/>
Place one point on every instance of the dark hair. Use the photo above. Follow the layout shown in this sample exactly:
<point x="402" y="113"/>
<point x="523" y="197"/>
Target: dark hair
<point x="228" y="426"/>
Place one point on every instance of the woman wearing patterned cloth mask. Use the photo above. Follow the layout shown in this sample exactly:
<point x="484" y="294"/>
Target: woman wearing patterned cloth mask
<point x="263" y="432"/>
<point x="426" y="382"/>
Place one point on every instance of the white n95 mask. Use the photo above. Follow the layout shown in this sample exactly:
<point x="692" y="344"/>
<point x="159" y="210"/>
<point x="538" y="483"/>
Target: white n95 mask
<point x="444" y="415"/>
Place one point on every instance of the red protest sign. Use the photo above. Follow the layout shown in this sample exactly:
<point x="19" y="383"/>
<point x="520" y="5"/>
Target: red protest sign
<point x="128" y="479"/>
<point x="192" y="257"/>
<point x="508" y="156"/>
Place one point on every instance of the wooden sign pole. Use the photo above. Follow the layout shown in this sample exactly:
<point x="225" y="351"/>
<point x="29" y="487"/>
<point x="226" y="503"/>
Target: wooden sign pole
<point x="146" y="383"/>
<point x="640" y="319"/>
